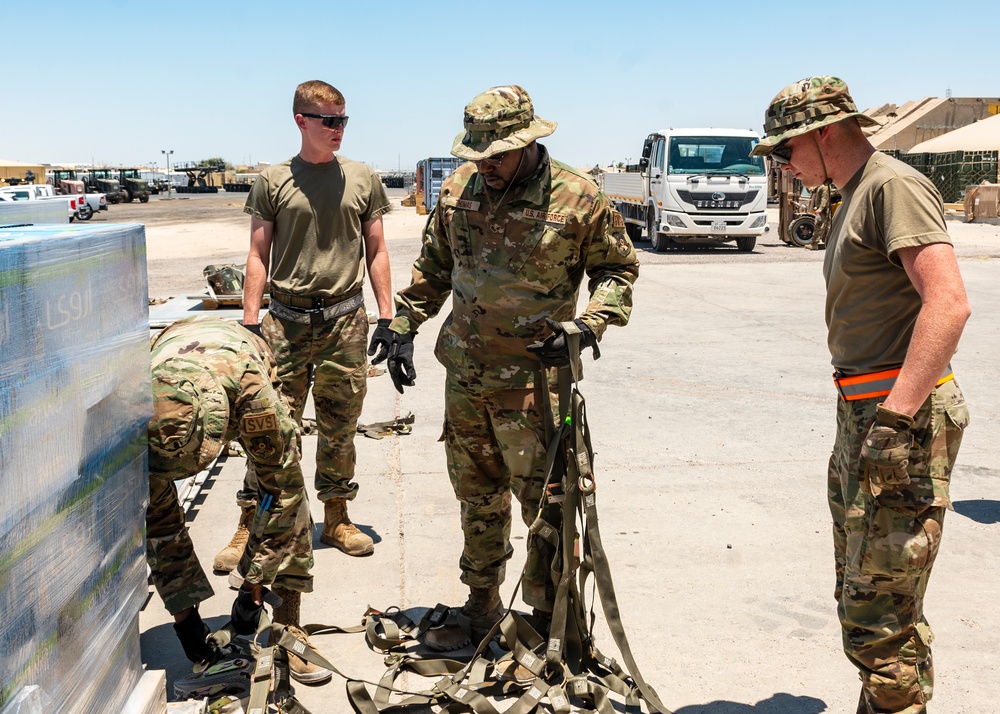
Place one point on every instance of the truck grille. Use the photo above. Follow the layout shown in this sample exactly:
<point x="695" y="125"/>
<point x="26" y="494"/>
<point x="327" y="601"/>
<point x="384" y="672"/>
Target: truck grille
<point x="730" y="201"/>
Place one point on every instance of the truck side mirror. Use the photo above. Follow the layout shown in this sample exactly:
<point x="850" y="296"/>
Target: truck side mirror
<point x="643" y="163"/>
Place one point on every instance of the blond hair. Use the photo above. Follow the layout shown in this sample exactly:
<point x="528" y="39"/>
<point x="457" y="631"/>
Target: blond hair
<point x="309" y="95"/>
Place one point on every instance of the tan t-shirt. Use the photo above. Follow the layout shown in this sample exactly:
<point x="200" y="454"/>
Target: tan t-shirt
<point x="871" y="305"/>
<point x="317" y="248"/>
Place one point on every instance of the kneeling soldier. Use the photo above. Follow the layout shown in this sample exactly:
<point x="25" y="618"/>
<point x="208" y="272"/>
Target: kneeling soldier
<point x="213" y="382"/>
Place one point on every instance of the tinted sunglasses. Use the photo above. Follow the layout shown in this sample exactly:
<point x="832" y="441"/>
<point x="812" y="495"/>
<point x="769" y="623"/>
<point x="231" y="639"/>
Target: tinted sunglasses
<point x="493" y="161"/>
<point x="331" y="121"/>
<point x="782" y="153"/>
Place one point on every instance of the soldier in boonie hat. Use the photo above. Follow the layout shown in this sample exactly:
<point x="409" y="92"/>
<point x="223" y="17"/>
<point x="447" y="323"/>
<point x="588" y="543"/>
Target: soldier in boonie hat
<point x="498" y="120"/>
<point x="803" y="106"/>
<point x="900" y="414"/>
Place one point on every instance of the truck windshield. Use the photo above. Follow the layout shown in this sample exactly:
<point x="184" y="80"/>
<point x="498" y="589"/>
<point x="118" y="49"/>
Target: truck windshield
<point x="714" y="154"/>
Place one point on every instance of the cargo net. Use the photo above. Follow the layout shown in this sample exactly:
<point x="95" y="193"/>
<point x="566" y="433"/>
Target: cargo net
<point x="953" y="171"/>
<point x="561" y="669"/>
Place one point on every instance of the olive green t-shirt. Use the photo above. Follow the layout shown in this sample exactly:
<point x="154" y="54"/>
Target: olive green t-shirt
<point x="317" y="248"/>
<point x="871" y="305"/>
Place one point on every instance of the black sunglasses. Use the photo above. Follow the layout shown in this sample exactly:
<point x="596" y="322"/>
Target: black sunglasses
<point x="331" y="121"/>
<point x="782" y="153"/>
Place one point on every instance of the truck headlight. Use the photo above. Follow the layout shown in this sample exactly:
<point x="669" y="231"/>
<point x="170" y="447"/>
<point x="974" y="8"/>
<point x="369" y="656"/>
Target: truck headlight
<point x="672" y="220"/>
<point x="759" y="221"/>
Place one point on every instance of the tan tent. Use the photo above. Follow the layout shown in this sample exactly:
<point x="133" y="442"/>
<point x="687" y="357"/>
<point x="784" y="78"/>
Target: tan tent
<point x="984" y="135"/>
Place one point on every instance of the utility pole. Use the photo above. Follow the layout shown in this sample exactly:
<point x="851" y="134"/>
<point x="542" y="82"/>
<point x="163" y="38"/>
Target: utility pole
<point x="167" y="153"/>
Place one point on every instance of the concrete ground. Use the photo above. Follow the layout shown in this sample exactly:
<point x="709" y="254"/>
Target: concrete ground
<point x="712" y="415"/>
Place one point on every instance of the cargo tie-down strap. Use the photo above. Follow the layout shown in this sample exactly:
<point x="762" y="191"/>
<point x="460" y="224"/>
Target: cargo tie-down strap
<point x="564" y="671"/>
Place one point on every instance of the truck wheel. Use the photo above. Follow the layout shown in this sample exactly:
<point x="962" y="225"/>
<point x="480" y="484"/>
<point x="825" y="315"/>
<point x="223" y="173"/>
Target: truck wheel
<point x="633" y="232"/>
<point x="85" y="212"/>
<point x="126" y="196"/>
<point x="745" y="244"/>
<point x="144" y="198"/>
<point x="802" y="230"/>
<point x="658" y="240"/>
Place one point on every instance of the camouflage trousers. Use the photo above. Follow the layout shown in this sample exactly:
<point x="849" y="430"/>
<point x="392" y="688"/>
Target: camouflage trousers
<point x="177" y="574"/>
<point x="283" y="530"/>
<point x="884" y="549"/>
<point x="331" y="357"/>
<point x="495" y="446"/>
<point x="286" y="525"/>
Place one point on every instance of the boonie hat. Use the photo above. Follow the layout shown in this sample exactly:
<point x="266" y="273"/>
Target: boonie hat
<point x="498" y="120"/>
<point x="806" y="105"/>
<point x="190" y="414"/>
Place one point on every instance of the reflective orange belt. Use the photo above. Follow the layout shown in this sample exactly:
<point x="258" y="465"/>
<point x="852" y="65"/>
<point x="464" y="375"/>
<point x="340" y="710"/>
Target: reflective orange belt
<point x="875" y="384"/>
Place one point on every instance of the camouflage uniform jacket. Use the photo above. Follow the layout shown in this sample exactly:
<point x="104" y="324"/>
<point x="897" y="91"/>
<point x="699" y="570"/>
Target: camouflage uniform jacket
<point x="511" y="261"/>
<point x="241" y="364"/>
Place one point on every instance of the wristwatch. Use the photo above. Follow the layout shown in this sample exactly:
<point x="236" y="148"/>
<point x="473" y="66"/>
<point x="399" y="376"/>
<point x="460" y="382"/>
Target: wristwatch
<point x="894" y="420"/>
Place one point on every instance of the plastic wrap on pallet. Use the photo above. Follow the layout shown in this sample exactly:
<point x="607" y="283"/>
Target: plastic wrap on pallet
<point x="74" y="403"/>
<point x="14" y="214"/>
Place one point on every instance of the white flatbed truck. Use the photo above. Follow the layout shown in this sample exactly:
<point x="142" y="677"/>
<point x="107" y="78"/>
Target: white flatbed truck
<point x="694" y="186"/>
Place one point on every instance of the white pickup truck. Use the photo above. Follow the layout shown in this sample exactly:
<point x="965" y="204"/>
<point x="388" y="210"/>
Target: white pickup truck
<point x="80" y="205"/>
<point x="694" y="186"/>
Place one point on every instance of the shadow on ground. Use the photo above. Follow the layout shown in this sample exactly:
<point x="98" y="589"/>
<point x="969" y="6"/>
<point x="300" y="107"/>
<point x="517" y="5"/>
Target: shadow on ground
<point x="780" y="703"/>
<point x="981" y="511"/>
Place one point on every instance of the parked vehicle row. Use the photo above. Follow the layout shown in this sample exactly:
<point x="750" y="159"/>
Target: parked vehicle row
<point x="79" y="205"/>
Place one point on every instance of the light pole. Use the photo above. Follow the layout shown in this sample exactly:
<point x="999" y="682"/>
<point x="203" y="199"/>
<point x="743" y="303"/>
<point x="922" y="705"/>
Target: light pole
<point x="167" y="153"/>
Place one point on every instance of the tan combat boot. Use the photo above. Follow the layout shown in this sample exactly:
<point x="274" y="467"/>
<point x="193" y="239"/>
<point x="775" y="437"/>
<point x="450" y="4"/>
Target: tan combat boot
<point x="287" y="614"/>
<point x="229" y="557"/>
<point x="339" y="532"/>
<point x="483" y="610"/>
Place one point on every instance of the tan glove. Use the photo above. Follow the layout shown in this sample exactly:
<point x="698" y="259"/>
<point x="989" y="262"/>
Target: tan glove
<point x="886" y="451"/>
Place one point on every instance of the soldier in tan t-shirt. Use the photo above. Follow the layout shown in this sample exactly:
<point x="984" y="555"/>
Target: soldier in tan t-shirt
<point x="895" y="310"/>
<point x="316" y="225"/>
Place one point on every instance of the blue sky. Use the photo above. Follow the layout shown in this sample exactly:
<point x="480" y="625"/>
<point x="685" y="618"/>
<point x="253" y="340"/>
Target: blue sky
<point x="119" y="81"/>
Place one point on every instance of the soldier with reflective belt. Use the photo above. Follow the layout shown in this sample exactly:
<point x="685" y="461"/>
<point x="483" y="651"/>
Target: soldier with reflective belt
<point x="512" y="236"/>
<point x="895" y="310"/>
<point x="214" y="382"/>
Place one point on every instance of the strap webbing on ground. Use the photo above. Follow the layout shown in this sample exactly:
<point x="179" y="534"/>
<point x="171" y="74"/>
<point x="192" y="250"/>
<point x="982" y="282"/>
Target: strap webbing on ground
<point x="565" y="666"/>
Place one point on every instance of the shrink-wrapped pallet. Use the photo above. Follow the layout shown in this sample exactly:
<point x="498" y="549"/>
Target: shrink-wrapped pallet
<point x="74" y="403"/>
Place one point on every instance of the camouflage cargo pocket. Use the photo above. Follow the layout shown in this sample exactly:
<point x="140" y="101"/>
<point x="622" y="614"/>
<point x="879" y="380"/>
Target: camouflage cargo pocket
<point x="359" y="379"/>
<point x="900" y="544"/>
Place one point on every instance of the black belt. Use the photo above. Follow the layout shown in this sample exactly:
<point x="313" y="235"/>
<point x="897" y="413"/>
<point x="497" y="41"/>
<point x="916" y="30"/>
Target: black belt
<point x="306" y="302"/>
<point x="315" y="316"/>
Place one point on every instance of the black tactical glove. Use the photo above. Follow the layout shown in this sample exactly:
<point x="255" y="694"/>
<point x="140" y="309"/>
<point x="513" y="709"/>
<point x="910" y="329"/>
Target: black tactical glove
<point x="193" y="633"/>
<point x="400" y="362"/>
<point x="381" y="341"/>
<point x="886" y="451"/>
<point x="553" y="351"/>
<point x="246" y="613"/>
<point x="255" y="329"/>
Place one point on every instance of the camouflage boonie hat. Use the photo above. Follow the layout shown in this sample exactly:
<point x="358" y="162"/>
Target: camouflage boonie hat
<point x="807" y="105"/>
<point x="225" y="279"/>
<point x="190" y="415"/>
<point x="498" y="120"/>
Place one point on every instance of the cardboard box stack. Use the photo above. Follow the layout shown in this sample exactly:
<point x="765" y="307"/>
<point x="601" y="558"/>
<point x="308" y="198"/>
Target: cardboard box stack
<point x="74" y="402"/>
